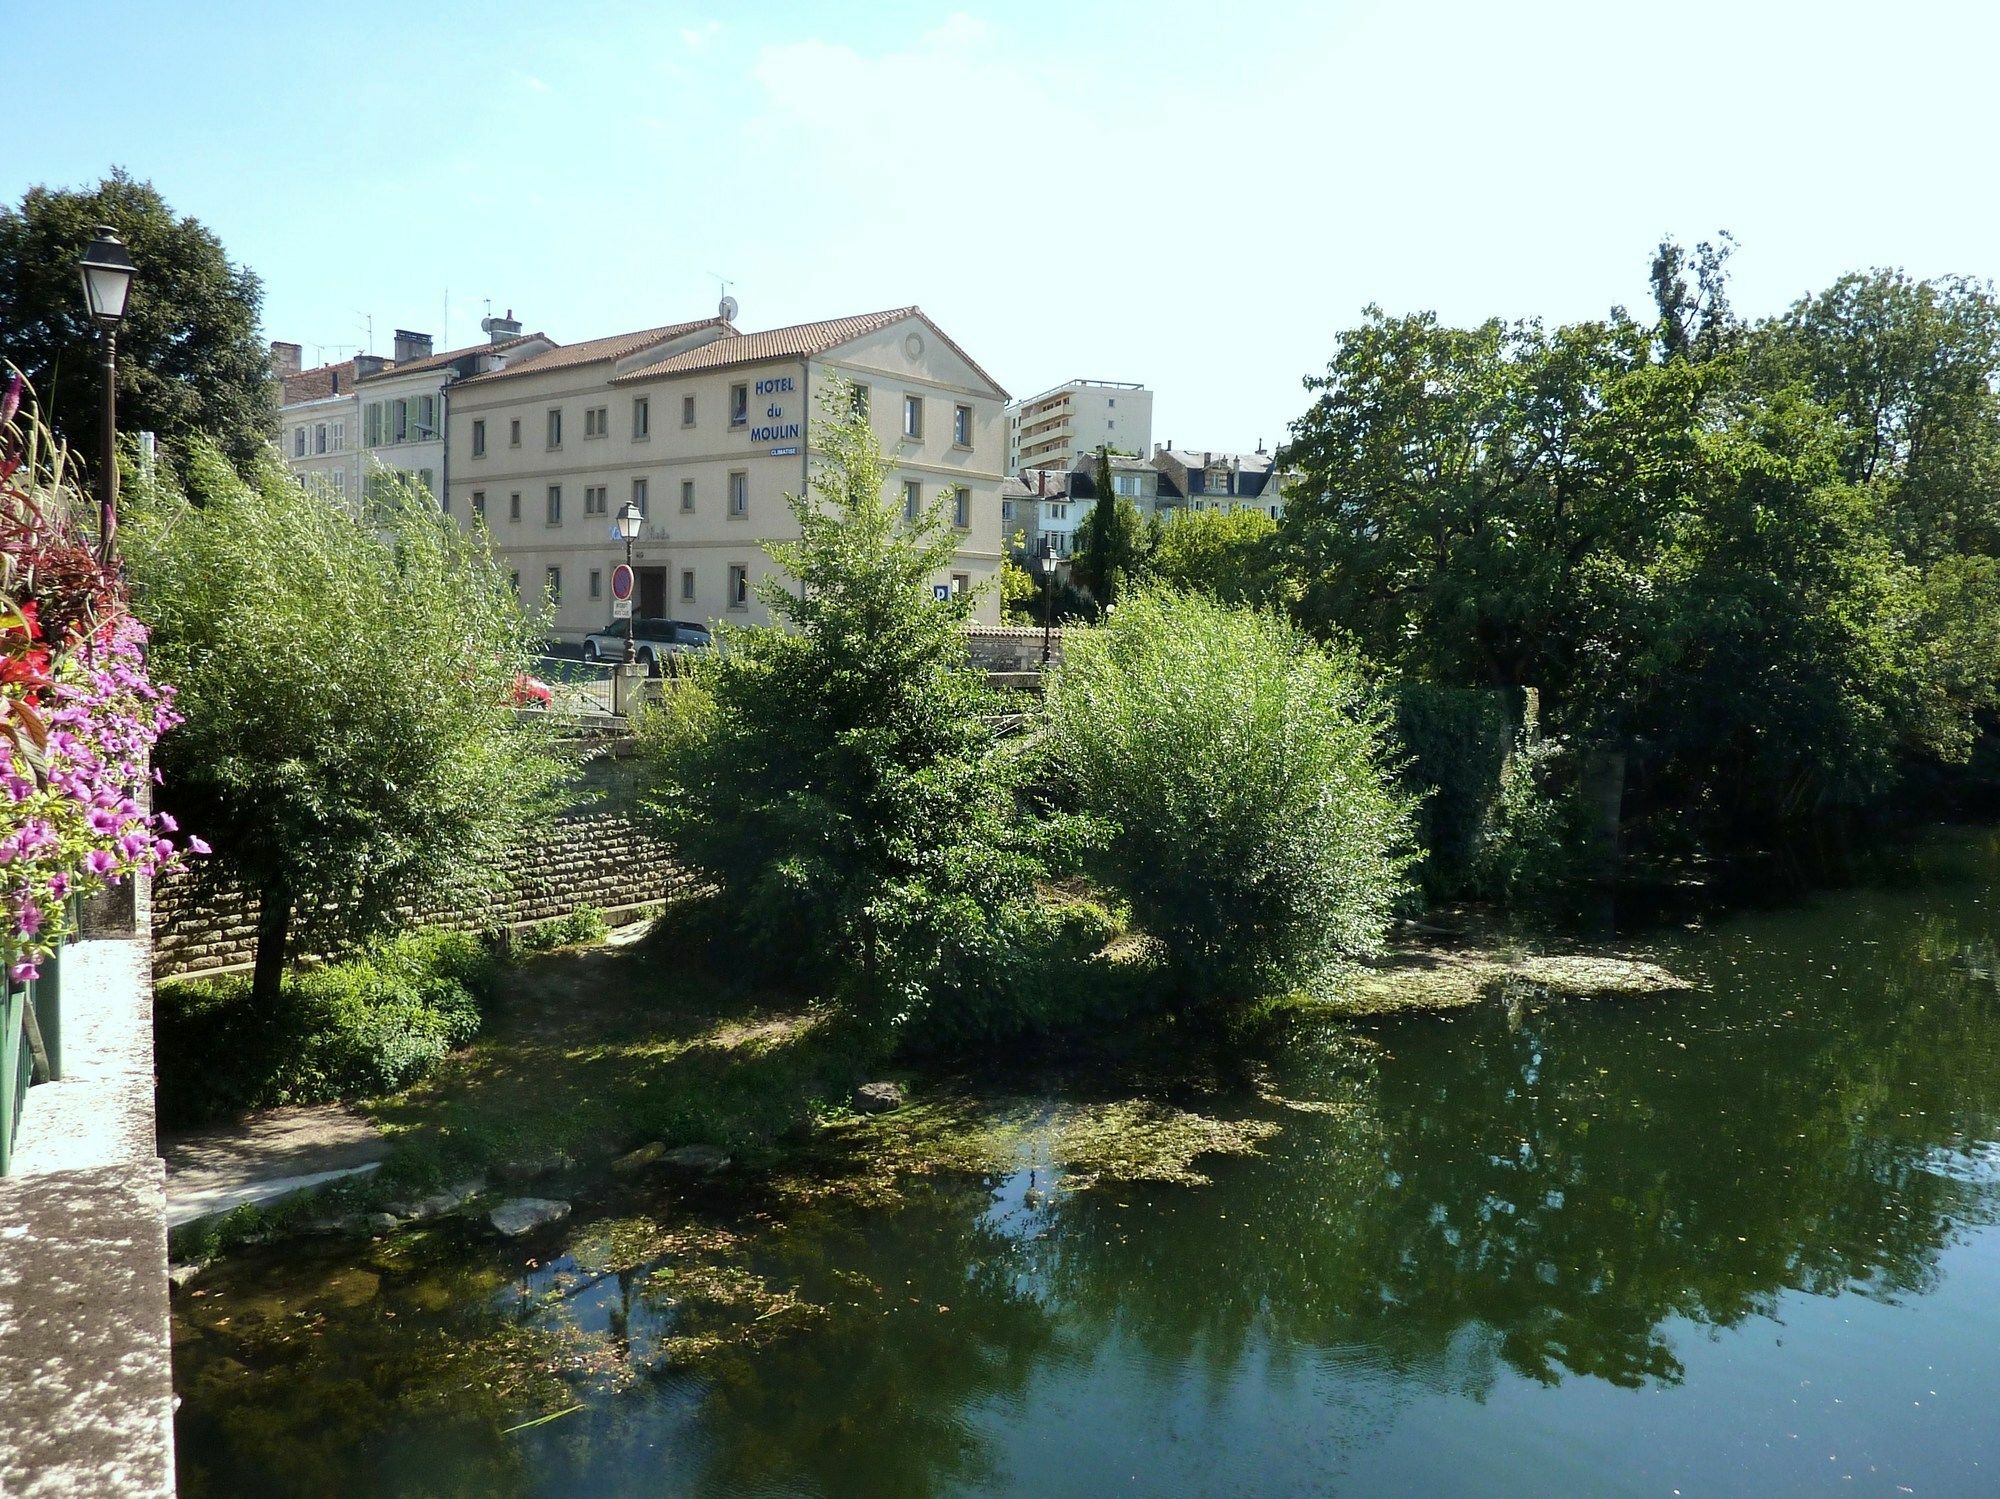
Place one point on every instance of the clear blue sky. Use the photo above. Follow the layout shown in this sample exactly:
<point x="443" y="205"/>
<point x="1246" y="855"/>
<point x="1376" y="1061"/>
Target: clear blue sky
<point x="1196" y="196"/>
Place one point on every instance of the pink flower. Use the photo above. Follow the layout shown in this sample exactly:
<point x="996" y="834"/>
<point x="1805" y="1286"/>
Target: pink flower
<point x="198" y="845"/>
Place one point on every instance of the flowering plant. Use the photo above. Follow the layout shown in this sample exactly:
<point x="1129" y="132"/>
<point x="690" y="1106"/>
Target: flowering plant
<point x="78" y="717"/>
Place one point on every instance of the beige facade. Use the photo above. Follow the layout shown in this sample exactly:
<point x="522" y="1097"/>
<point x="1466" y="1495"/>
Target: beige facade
<point x="318" y="424"/>
<point x="708" y="429"/>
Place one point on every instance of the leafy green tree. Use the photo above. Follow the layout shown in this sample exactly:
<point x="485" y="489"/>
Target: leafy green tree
<point x="189" y="360"/>
<point x="350" y="741"/>
<point x="1244" y="771"/>
<point x="1111" y="548"/>
<point x="1229" y="556"/>
<point x="836" y="774"/>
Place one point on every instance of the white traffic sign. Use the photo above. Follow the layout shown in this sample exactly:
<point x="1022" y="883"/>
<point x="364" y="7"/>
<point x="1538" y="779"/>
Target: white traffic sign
<point x="621" y="608"/>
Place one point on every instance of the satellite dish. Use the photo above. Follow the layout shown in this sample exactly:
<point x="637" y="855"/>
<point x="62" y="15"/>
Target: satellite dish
<point x="727" y="310"/>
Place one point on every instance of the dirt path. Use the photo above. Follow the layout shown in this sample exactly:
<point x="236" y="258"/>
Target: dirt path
<point x="264" y="1156"/>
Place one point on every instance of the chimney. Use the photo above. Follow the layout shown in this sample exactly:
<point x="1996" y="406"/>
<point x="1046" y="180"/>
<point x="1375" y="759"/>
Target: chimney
<point x="285" y="359"/>
<point x="412" y="345"/>
<point x="1206" y="458"/>
<point x="1260" y="449"/>
<point x="499" y="329"/>
<point x="368" y="364"/>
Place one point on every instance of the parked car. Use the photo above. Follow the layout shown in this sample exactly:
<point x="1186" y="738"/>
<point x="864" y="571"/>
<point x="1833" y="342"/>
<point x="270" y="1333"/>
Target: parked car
<point x="653" y="640"/>
<point x="531" y="692"/>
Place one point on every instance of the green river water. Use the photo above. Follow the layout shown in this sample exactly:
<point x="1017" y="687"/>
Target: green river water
<point x="1740" y="1240"/>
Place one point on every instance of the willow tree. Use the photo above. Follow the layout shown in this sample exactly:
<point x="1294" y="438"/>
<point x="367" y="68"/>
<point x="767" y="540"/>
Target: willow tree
<point x="350" y="743"/>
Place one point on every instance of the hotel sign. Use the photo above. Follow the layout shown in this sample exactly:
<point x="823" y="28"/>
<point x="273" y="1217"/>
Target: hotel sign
<point x="776" y="427"/>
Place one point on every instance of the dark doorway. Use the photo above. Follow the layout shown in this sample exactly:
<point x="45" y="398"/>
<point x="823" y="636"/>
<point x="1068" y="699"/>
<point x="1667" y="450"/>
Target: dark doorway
<point x="652" y="592"/>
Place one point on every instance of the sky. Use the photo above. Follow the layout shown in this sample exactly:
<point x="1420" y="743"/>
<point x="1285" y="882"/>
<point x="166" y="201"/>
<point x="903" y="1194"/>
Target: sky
<point x="1197" y="197"/>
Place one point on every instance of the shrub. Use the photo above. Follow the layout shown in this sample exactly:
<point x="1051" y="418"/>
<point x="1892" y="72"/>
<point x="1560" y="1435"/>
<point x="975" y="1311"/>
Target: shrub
<point x="1533" y="838"/>
<point x="578" y="929"/>
<point x="1457" y="741"/>
<point x="375" y="1023"/>
<point x="1245" y="771"/>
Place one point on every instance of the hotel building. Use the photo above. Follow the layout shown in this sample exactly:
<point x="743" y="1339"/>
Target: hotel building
<point x="707" y="429"/>
<point x="1059" y="428"/>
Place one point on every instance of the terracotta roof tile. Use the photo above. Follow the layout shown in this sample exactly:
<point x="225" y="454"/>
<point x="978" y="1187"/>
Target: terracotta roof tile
<point x="616" y="346"/>
<point x="799" y="341"/>
<point x="438" y="361"/>
<point x="317" y="384"/>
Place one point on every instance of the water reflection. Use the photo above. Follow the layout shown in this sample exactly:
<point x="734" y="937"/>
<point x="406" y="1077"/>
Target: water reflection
<point x="1533" y="1191"/>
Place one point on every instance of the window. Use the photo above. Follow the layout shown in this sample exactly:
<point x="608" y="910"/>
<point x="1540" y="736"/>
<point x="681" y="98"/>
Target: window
<point x="961" y="584"/>
<point x="739" y="405"/>
<point x="913" y="499"/>
<point x="913" y="416"/>
<point x="687" y="583"/>
<point x="594" y="501"/>
<point x="514" y="580"/>
<point x="642" y="417"/>
<point x="1006" y="510"/>
<point x="425" y="480"/>
<point x="319" y="438"/>
<point x="554" y="585"/>
<point x="639" y="488"/>
<point x="479" y="439"/>
<point x="555" y="426"/>
<point x="861" y="400"/>
<point x="479" y="502"/>
<point x="1111" y="426"/>
<point x="961" y="508"/>
<point x="555" y="505"/>
<point x="596" y="584"/>
<point x="687" y="411"/>
<point x="299" y="442"/>
<point x="514" y="433"/>
<point x="399" y="421"/>
<point x="337" y="482"/>
<point x="739" y="587"/>
<point x="426" y="413"/>
<point x="961" y="426"/>
<point x="514" y="505"/>
<point x="597" y="421"/>
<point x="739" y="493"/>
<point x="371" y="425"/>
<point x="687" y="497"/>
<point x="1111" y="400"/>
<point x="340" y="437"/>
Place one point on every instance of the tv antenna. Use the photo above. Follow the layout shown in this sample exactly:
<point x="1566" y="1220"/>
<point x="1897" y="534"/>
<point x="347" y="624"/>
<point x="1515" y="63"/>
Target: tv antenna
<point x="727" y="307"/>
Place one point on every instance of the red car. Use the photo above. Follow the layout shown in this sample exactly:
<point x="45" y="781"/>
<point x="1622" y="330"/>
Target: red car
<point x="530" y="693"/>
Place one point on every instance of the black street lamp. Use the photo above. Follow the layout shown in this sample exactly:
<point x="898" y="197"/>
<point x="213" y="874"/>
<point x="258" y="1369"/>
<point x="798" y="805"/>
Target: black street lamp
<point x="107" y="281"/>
<point x="1048" y="565"/>
<point x="630" y="519"/>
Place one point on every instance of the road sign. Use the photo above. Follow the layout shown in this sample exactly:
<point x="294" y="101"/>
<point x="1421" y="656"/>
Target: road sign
<point x="621" y="585"/>
<point x="621" y="608"/>
<point x="941" y="592"/>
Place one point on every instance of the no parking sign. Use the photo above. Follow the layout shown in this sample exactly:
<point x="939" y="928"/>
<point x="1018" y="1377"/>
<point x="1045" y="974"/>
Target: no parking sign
<point x="621" y="592"/>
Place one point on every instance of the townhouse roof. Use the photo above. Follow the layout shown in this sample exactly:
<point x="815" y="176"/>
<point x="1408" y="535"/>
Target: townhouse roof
<point x="799" y="341"/>
<point x="438" y="361"/>
<point x="318" y="384"/>
<point x="595" y="350"/>
<point x="1249" y="463"/>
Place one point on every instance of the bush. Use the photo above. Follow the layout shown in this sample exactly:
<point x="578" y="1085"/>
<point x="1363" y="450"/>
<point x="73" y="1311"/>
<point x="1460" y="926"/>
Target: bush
<point x="375" y="1023"/>
<point x="1246" y="773"/>
<point x="581" y="928"/>
<point x="1533" y="839"/>
<point x="1457" y="741"/>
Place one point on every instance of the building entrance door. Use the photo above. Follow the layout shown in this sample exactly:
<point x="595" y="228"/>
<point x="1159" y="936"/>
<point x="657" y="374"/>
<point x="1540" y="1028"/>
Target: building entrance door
<point x="652" y="592"/>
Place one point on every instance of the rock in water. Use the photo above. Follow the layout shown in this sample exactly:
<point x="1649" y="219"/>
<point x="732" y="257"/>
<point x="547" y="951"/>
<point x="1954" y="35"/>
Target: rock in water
<point x="878" y="1098"/>
<point x="641" y="1158"/>
<point x="518" y="1215"/>
<point x="703" y="1158"/>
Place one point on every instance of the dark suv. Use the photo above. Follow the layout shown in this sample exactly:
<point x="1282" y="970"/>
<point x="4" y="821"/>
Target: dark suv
<point x="653" y="639"/>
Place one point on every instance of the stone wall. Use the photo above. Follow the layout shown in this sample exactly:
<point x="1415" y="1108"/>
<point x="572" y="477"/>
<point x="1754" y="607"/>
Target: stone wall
<point x="1012" y="648"/>
<point x="203" y="923"/>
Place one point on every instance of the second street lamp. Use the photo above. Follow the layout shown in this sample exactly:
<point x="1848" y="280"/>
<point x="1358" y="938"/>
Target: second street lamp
<point x="107" y="281"/>
<point x="1048" y="562"/>
<point x="630" y="519"/>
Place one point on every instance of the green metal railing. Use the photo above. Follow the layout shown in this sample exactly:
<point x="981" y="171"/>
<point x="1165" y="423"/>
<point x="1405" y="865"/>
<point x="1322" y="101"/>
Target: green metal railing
<point x="30" y="1042"/>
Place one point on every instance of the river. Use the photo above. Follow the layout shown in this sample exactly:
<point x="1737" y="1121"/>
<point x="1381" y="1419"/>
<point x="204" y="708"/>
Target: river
<point x="1738" y="1240"/>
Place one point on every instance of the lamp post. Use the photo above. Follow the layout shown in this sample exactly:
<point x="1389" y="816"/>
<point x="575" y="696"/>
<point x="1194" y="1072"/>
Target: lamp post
<point x="107" y="280"/>
<point x="630" y="519"/>
<point x="1048" y="565"/>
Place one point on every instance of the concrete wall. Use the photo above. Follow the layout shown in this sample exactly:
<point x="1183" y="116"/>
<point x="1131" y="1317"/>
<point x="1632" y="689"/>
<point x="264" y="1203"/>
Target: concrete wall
<point x="202" y="923"/>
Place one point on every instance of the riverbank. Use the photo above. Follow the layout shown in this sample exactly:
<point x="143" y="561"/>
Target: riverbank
<point x="592" y="1053"/>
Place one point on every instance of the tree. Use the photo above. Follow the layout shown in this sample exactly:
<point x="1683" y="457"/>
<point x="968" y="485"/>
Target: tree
<point x="1695" y="321"/>
<point x="1228" y="556"/>
<point x="349" y="738"/>
<point x="190" y="362"/>
<point x="1244" y="773"/>
<point x="1111" y="549"/>
<point x="836" y="774"/>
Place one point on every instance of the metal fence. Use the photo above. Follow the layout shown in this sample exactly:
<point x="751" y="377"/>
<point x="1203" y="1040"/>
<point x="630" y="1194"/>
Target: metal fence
<point x="30" y="1041"/>
<point x="576" y="687"/>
